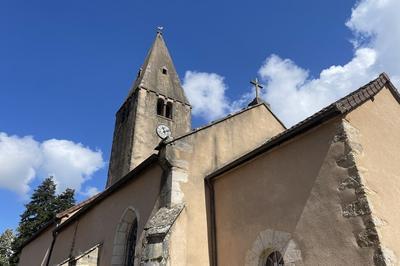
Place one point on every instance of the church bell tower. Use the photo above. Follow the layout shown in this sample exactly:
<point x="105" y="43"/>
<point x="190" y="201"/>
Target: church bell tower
<point x="155" y="106"/>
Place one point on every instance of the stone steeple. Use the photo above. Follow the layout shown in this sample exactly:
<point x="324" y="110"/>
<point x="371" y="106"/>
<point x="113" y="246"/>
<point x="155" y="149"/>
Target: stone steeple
<point x="158" y="73"/>
<point x="156" y="98"/>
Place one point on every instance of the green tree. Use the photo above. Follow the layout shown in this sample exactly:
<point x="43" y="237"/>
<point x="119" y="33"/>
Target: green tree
<point x="42" y="208"/>
<point x="6" y="239"/>
<point x="64" y="201"/>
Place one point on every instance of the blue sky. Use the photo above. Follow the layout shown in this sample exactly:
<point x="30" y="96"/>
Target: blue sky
<point x="65" y="68"/>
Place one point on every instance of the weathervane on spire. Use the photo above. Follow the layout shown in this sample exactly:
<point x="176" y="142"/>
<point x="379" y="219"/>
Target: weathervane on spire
<point x="160" y="29"/>
<point x="257" y="86"/>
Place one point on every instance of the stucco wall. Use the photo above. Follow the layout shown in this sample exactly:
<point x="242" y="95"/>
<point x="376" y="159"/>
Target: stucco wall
<point x="36" y="252"/>
<point x="288" y="199"/>
<point x="195" y="156"/>
<point x="378" y="123"/>
<point x="99" y="224"/>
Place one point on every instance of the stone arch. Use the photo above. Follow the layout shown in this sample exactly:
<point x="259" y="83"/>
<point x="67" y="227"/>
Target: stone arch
<point x="168" y="110"/>
<point x="160" y="108"/>
<point x="121" y="235"/>
<point x="269" y="241"/>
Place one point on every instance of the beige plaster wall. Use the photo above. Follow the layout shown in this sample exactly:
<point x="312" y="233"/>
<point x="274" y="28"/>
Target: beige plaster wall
<point x="195" y="156"/>
<point x="378" y="123"/>
<point x="36" y="252"/>
<point x="99" y="224"/>
<point x="288" y="199"/>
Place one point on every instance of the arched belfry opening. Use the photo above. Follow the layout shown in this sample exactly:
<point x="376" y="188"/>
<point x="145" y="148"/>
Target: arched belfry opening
<point x="160" y="107"/>
<point x="164" y="108"/>
<point x="168" y="110"/>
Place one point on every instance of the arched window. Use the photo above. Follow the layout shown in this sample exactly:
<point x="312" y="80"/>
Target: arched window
<point x="274" y="259"/>
<point x="160" y="107"/>
<point x="168" y="110"/>
<point x="132" y="237"/>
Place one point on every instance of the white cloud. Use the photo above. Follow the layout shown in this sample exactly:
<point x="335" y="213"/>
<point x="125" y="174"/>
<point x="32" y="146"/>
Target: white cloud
<point x="290" y="90"/>
<point x="70" y="163"/>
<point x="23" y="158"/>
<point x="206" y="93"/>
<point x="378" y="22"/>
<point x="293" y="95"/>
<point x="90" y="191"/>
<point x="19" y="160"/>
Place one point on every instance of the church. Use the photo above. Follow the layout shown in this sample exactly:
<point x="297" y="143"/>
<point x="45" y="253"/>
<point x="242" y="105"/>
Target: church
<point x="242" y="190"/>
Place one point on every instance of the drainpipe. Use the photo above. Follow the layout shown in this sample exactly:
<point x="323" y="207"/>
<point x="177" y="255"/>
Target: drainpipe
<point x="213" y="235"/>
<point x="52" y="245"/>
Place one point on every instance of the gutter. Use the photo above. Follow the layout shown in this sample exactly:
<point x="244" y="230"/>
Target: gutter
<point x="213" y="231"/>
<point x="51" y="247"/>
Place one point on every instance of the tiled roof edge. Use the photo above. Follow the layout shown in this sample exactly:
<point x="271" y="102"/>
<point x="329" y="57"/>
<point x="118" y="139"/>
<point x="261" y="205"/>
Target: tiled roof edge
<point x="76" y="207"/>
<point x="128" y="177"/>
<point x="340" y="107"/>
<point x="222" y="120"/>
<point x="39" y="232"/>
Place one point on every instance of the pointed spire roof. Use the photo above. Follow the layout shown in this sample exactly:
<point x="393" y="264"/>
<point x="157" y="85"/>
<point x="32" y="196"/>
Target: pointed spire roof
<point x="158" y="73"/>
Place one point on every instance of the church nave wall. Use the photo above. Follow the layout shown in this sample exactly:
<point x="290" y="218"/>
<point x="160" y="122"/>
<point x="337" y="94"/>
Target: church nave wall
<point x="196" y="155"/>
<point x="101" y="224"/>
<point x="288" y="200"/>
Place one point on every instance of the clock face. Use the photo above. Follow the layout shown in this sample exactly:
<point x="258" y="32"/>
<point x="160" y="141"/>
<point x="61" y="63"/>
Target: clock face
<point x="163" y="131"/>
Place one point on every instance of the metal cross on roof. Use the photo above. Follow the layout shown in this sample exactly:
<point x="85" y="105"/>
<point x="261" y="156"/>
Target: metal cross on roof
<point x="257" y="86"/>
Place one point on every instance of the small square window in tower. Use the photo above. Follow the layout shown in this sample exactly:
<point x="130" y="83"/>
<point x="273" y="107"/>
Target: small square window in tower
<point x="164" y="70"/>
<point x="168" y="110"/>
<point x="160" y="107"/>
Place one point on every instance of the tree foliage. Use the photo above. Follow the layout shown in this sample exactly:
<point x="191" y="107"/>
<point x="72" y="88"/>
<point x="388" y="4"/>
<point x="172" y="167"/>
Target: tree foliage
<point x="42" y="208"/>
<point x="64" y="201"/>
<point x="6" y="239"/>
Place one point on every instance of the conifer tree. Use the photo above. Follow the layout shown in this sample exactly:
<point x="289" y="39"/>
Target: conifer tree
<point x="6" y="239"/>
<point x="64" y="201"/>
<point x="42" y="208"/>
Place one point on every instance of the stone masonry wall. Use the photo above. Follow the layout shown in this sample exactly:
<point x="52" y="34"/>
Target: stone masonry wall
<point x="155" y="244"/>
<point x="354" y="196"/>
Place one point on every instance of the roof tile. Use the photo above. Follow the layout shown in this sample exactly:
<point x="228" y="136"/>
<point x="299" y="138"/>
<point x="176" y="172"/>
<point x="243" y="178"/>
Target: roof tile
<point x="341" y="106"/>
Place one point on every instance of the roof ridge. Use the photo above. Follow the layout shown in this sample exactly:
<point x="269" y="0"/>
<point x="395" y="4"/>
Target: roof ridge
<point x="363" y="94"/>
<point x="342" y="106"/>
<point x="219" y="120"/>
<point x="76" y="206"/>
